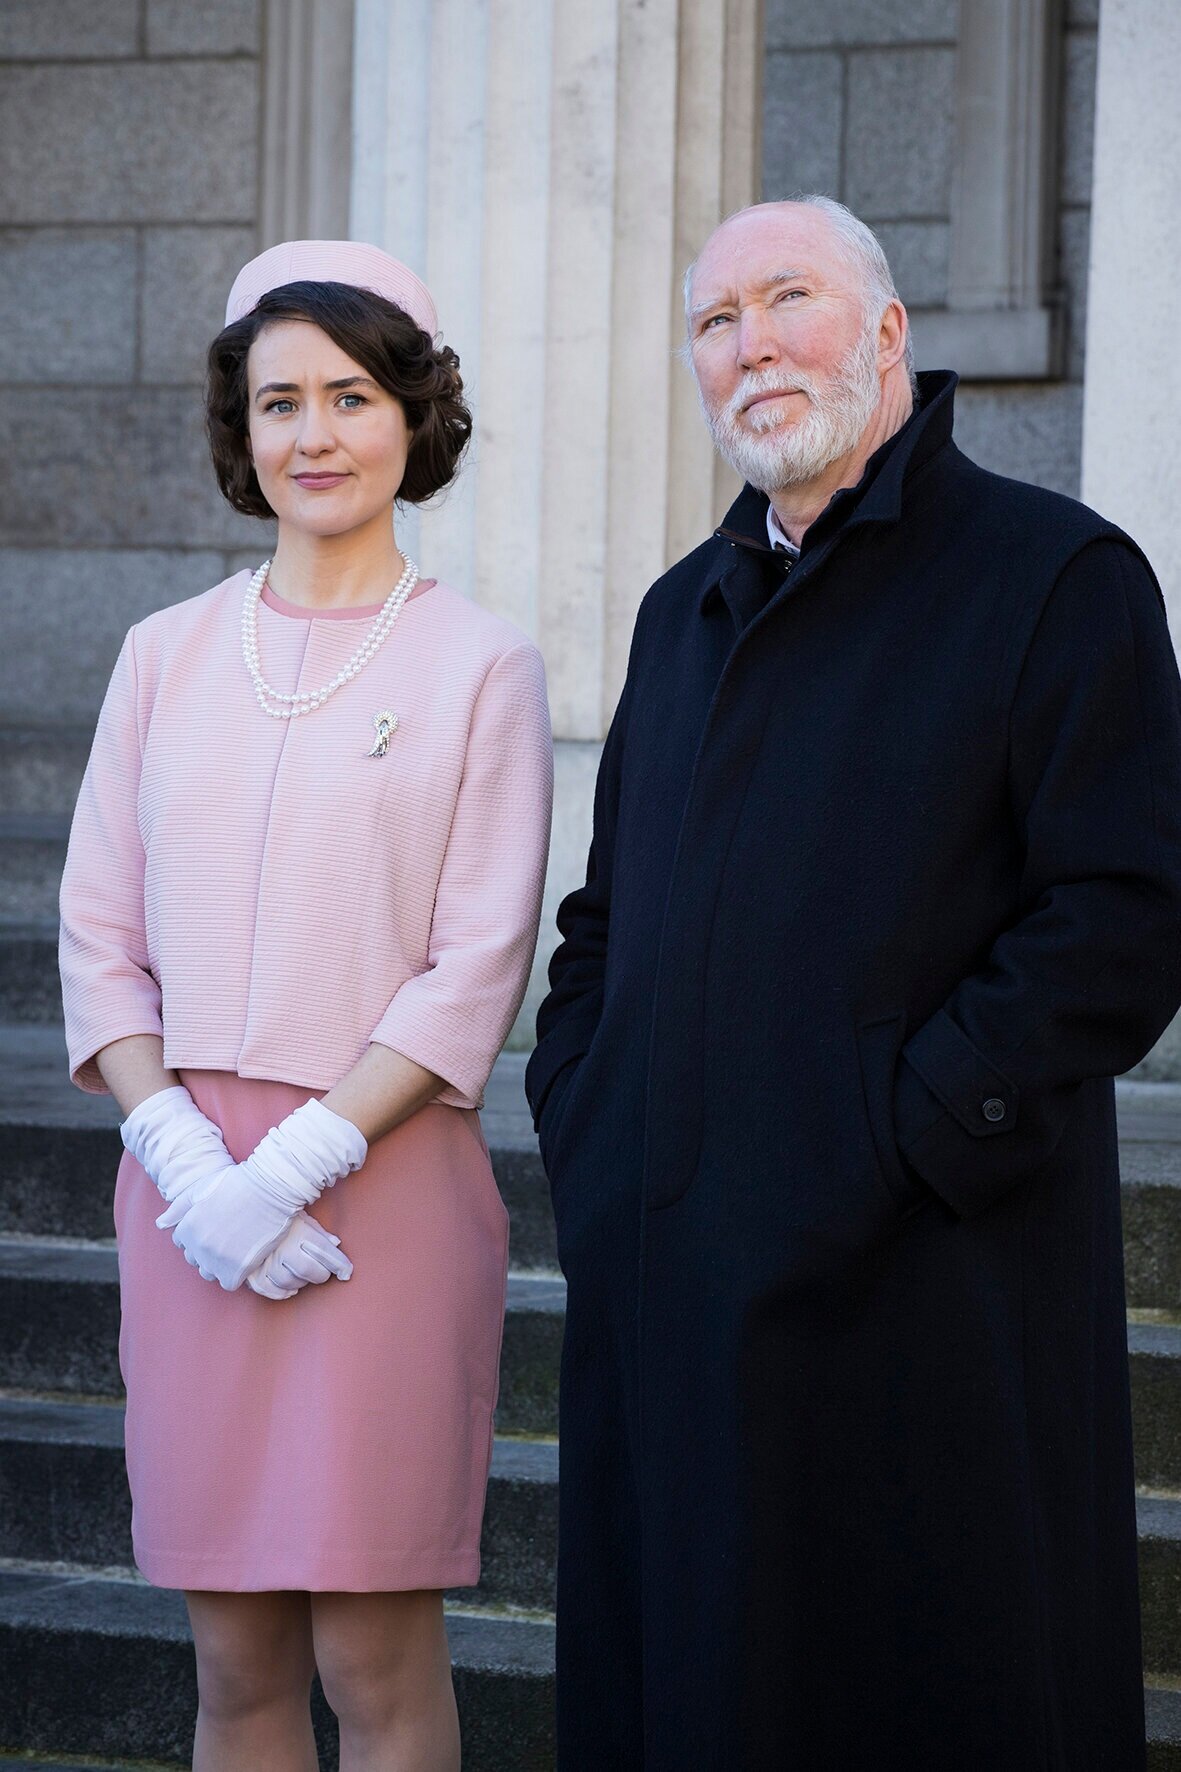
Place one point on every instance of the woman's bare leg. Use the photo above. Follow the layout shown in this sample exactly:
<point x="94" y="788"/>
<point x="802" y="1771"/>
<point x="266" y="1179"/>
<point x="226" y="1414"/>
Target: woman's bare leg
<point x="254" y="1677"/>
<point x="386" y="1671"/>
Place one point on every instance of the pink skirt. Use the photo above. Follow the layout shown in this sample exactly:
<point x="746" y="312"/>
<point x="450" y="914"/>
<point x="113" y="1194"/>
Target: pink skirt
<point x="339" y="1440"/>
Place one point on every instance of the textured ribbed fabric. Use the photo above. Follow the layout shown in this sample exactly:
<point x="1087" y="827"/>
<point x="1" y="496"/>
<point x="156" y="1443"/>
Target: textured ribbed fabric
<point x="270" y="897"/>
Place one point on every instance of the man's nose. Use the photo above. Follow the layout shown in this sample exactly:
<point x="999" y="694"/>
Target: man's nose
<point x="758" y="343"/>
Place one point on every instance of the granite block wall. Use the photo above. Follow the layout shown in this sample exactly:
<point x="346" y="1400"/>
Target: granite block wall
<point x="129" y="172"/>
<point x="859" y="104"/>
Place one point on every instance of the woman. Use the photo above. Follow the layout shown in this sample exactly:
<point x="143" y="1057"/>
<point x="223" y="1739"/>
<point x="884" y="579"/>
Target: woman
<point x="298" y="914"/>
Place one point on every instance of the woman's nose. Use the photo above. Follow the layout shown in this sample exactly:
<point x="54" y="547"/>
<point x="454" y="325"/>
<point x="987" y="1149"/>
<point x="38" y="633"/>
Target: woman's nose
<point x="315" y="432"/>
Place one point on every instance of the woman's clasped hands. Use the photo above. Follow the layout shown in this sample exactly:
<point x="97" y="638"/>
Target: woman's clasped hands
<point x="246" y="1221"/>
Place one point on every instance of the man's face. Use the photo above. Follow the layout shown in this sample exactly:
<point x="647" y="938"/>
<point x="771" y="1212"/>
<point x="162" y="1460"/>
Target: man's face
<point x="786" y="363"/>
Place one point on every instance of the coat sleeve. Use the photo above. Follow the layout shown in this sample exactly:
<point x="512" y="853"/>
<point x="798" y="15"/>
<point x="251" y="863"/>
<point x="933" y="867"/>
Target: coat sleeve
<point x="108" y="991"/>
<point x="454" y="1018"/>
<point x="1089" y="975"/>
<point x="569" y="1015"/>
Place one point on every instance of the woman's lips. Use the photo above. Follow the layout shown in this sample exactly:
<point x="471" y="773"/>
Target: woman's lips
<point x="318" y="482"/>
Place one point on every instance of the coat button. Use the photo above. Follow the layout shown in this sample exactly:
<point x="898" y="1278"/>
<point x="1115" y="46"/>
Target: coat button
<point x="994" y="1109"/>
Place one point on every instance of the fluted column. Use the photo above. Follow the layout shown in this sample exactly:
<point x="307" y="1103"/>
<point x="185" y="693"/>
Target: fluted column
<point x="1132" y="393"/>
<point x="550" y="168"/>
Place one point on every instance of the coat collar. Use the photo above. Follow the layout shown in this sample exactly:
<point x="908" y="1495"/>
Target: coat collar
<point x="878" y="495"/>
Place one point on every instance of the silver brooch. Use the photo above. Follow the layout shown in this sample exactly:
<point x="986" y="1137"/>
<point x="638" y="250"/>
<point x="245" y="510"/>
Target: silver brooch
<point x="387" y="725"/>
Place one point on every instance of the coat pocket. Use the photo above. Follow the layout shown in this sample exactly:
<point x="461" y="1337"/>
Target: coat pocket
<point x="556" y="1113"/>
<point x="879" y="1041"/>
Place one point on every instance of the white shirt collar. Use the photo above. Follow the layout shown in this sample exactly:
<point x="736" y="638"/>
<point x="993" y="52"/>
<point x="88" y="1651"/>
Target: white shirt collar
<point x="775" y="534"/>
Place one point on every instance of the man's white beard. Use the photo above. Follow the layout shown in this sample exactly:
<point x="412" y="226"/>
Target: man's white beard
<point x="839" y="411"/>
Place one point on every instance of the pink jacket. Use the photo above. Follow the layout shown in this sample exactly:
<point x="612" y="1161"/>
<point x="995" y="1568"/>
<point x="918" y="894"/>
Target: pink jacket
<point x="271" y="898"/>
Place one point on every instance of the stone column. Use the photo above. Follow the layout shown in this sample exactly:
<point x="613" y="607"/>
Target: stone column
<point x="1132" y="395"/>
<point x="550" y="168"/>
<point x="307" y="89"/>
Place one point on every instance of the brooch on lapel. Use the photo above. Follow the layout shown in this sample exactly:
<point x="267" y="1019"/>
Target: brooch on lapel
<point x="387" y="725"/>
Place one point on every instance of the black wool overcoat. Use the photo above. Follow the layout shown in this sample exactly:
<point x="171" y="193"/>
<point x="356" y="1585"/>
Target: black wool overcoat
<point x="885" y="887"/>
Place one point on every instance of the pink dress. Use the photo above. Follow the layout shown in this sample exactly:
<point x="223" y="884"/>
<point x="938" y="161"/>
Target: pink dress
<point x="339" y="1440"/>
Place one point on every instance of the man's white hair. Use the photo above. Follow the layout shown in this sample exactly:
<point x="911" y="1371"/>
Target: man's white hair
<point x="862" y="250"/>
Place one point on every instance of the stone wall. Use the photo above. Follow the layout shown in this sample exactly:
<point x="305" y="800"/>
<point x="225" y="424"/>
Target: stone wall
<point x="129" y="166"/>
<point x="859" y="104"/>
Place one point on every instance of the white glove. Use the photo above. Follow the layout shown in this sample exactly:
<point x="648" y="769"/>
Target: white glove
<point x="306" y="1255"/>
<point x="227" y="1224"/>
<point x="173" y="1141"/>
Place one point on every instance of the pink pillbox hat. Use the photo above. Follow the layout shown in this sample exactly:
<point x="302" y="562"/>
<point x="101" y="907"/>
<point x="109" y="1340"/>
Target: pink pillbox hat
<point x="332" y="261"/>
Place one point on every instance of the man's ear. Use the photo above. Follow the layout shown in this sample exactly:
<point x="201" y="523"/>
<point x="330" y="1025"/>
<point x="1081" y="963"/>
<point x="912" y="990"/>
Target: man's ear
<point x="892" y="335"/>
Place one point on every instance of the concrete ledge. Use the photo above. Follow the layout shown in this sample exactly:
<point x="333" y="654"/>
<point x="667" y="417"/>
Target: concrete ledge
<point x="1158" y="1523"/>
<point x="1162" y="1713"/>
<point x="41" y="767"/>
<point x="33" y="845"/>
<point x="59" y="1330"/>
<point x="64" y="1499"/>
<point x="59" y="1149"/>
<point x="1154" y="1355"/>
<point x="990" y="344"/>
<point x="106" y="1668"/>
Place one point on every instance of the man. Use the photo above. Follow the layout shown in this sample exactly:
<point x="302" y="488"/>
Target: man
<point x="885" y="886"/>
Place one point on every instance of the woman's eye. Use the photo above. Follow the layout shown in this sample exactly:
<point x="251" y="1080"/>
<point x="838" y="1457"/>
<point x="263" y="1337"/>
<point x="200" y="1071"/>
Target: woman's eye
<point x="281" y="406"/>
<point x="346" y="398"/>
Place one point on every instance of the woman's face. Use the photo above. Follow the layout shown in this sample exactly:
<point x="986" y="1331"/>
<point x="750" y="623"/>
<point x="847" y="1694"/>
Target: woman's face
<point x="329" y="444"/>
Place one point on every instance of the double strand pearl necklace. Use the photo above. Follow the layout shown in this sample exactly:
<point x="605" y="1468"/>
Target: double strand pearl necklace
<point x="305" y="701"/>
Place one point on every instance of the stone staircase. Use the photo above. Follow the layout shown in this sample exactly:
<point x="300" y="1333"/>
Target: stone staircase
<point x="97" y="1663"/>
<point x="98" y="1666"/>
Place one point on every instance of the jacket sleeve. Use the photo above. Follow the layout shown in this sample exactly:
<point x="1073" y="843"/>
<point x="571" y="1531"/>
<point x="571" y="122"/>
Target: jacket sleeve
<point x="454" y="1018"/>
<point x="1089" y="975"/>
<point x="108" y="991"/>
<point x="569" y="1015"/>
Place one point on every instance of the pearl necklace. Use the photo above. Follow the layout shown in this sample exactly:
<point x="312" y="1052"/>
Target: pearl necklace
<point x="304" y="701"/>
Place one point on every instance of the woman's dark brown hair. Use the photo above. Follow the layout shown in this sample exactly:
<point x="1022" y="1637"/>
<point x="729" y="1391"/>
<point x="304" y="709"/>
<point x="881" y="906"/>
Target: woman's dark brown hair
<point x="385" y="341"/>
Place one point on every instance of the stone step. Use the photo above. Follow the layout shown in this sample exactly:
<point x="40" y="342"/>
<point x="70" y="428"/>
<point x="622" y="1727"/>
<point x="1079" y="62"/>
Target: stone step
<point x="30" y="988"/>
<point x="72" y="1642"/>
<point x="59" y="1323"/>
<point x="1154" y="1355"/>
<point x="59" y="1150"/>
<point x="64" y="1499"/>
<point x="38" y="1764"/>
<point x="41" y="767"/>
<point x="32" y="856"/>
<point x="1162" y="1714"/>
<point x="1151" y="1200"/>
<point x="1158" y="1524"/>
<point x="59" y="1330"/>
<point x="95" y="1666"/>
<point x="1150" y="1166"/>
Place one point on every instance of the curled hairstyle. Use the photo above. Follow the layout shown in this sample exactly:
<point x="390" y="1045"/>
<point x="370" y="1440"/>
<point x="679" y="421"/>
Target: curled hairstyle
<point x="389" y="346"/>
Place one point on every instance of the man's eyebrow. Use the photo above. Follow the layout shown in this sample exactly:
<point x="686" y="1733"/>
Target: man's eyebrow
<point x="332" y="387"/>
<point x="775" y="281"/>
